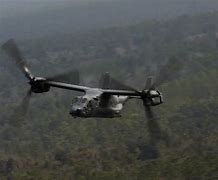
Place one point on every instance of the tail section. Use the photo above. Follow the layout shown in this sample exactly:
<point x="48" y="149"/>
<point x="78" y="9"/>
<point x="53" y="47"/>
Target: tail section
<point x="105" y="81"/>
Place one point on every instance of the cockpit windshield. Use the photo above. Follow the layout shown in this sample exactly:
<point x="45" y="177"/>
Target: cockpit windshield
<point x="84" y="100"/>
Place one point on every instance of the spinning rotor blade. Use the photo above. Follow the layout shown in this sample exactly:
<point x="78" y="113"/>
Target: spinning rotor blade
<point x="108" y="82"/>
<point x="168" y="71"/>
<point x="116" y="84"/>
<point x="72" y="76"/>
<point x="20" y="113"/>
<point x="104" y="82"/>
<point x="156" y="134"/>
<point x="25" y="103"/>
<point x="153" y="126"/>
<point x="149" y="83"/>
<point x="13" y="51"/>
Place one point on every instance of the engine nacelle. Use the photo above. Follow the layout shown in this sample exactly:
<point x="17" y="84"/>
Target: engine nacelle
<point x="38" y="85"/>
<point x="152" y="98"/>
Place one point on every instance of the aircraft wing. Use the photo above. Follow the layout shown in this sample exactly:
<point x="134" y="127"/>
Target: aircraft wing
<point x="67" y="86"/>
<point x="84" y="89"/>
<point x="120" y="92"/>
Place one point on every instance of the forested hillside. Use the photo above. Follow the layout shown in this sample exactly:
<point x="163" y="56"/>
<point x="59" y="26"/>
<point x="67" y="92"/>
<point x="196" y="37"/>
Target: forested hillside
<point x="50" y="144"/>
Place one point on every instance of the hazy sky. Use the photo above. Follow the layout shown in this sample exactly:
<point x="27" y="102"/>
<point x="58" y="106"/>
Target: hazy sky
<point x="38" y="0"/>
<point x="10" y="7"/>
<point x="34" y="18"/>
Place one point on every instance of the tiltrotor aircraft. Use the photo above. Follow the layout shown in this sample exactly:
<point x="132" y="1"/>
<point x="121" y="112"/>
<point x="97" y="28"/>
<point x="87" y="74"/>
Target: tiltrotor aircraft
<point x="103" y="102"/>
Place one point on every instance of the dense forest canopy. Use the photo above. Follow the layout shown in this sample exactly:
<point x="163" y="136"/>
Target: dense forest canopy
<point x="49" y="144"/>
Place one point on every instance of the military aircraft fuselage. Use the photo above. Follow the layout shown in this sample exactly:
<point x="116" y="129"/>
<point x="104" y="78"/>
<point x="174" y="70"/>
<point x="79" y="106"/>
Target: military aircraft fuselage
<point x="95" y="104"/>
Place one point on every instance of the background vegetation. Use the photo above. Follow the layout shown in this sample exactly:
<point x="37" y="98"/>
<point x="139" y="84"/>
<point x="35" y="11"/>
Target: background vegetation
<point x="50" y="144"/>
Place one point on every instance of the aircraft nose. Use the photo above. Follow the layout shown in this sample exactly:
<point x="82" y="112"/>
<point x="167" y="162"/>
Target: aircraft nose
<point x="78" y="111"/>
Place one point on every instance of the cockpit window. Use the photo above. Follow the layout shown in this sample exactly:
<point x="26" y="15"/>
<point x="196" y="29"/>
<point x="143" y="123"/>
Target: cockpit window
<point x="83" y="100"/>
